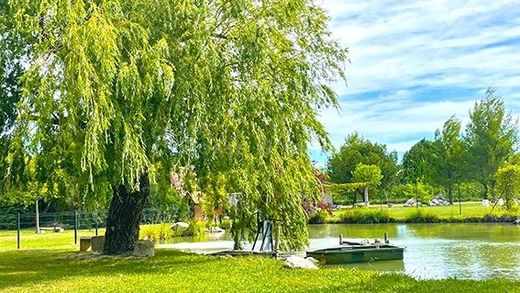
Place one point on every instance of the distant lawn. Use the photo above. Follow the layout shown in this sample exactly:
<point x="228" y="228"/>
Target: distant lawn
<point x="469" y="210"/>
<point x="56" y="270"/>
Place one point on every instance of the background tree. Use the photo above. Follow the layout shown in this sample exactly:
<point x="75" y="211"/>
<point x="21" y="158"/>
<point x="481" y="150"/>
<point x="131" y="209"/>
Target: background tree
<point x="491" y="138"/>
<point x="369" y="175"/>
<point x="514" y="159"/>
<point x="418" y="163"/>
<point x="119" y="94"/>
<point x="508" y="184"/>
<point x="12" y="53"/>
<point x="342" y="164"/>
<point x="449" y="162"/>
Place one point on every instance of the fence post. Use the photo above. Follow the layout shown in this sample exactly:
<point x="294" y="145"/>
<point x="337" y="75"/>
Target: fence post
<point x="37" y="218"/>
<point x="96" y="223"/>
<point x="460" y="204"/>
<point x="75" y="227"/>
<point x="18" y="231"/>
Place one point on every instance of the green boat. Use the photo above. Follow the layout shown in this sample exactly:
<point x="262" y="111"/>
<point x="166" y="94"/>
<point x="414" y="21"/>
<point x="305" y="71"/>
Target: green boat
<point x="357" y="253"/>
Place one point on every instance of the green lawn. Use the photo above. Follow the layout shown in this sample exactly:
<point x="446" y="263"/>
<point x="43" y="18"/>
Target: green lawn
<point x="451" y="212"/>
<point x="57" y="267"/>
<point x="469" y="210"/>
<point x="49" y="240"/>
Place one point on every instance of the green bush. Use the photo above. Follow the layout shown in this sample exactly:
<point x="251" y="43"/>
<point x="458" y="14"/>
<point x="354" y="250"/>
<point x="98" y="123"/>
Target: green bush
<point x="508" y="184"/>
<point x="197" y="229"/>
<point x="225" y="224"/>
<point x="423" y="192"/>
<point x="156" y="233"/>
<point x="319" y="217"/>
<point x="468" y="191"/>
<point x="365" y="216"/>
<point x="421" y="216"/>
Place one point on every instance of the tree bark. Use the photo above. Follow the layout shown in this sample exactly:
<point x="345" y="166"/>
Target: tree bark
<point x="124" y="217"/>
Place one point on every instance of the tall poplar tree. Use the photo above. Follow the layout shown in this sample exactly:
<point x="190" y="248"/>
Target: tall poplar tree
<point x="491" y="139"/>
<point x="449" y="164"/>
<point x="119" y="94"/>
<point x="419" y="162"/>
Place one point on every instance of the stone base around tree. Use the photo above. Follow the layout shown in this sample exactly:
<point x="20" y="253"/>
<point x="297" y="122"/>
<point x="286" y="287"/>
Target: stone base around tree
<point x="144" y="248"/>
<point x="96" y="244"/>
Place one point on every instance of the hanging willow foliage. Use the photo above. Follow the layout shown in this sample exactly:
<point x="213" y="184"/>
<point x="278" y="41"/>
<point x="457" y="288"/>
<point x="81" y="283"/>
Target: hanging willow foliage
<point x="228" y="89"/>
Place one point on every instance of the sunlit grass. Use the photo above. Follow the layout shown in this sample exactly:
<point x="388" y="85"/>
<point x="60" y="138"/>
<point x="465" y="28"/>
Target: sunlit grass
<point x="465" y="211"/>
<point x="58" y="270"/>
<point x="49" y="240"/>
<point x="50" y="263"/>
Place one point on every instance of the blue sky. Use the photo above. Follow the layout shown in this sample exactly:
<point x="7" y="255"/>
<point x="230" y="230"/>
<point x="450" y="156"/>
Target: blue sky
<point x="414" y="64"/>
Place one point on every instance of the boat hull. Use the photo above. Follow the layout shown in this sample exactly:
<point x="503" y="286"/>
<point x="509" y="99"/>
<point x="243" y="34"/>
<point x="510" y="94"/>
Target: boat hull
<point x="353" y="254"/>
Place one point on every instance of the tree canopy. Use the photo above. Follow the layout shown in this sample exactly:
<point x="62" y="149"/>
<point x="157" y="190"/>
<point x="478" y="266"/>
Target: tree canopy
<point x="418" y="162"/>
<point x="508" y="183"/>
<point x="368" y="174"/>
<point x="343" y="163"/>
<point x="449" y="165"/>
<point x="12" y="53"/>
<point x="118" y="90"/>
<point x="491" y="139"/>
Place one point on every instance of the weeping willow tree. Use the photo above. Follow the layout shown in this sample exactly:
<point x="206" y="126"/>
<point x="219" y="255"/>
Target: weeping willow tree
<point x="119" y="94"/>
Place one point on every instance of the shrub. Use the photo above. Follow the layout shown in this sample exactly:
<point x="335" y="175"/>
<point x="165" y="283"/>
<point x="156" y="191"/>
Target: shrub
<point x="197" y="228"/>
<point x="365" y="216"/>
<point x="225" y="224"/>
<point x="317" y="211"/>
<point x="468" y="191"/>
<point x="421" y="191"/>
<point x="319" y="217"/>
<point x="312" y="207"/>
<point x="421" y="216"/>
<point x="156" y="233"/>
<point x="508" y="184"/>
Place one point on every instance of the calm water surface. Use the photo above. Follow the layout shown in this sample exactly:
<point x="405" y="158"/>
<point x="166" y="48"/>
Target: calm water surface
<point x="433" y="251"/>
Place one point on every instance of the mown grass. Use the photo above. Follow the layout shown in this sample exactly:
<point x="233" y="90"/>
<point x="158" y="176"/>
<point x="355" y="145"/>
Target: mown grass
<point x="49" y="240"/>
<point x="471" y="212"/>
<point x="51" y="263"/>
<point x="170" y="271"/>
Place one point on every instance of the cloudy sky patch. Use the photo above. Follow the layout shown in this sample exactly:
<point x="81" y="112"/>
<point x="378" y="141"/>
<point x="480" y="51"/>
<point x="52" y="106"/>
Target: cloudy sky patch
<point x="414" y="64"/>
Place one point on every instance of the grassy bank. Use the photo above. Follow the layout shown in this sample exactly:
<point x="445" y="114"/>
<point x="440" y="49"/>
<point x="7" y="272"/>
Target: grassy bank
<point x="470" y="212"/>
<point x="51" y="263"/>
<point x="171" y="271"/>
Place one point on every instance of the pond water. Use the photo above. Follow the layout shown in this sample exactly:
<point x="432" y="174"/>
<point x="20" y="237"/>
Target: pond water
<point x="433" y="251"/>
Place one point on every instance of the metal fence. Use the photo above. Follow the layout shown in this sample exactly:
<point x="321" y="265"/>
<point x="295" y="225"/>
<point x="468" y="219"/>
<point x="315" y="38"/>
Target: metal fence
<point x="79" y="222"/>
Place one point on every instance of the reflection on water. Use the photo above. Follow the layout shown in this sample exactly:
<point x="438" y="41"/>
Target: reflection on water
<point x="433" y="251"/>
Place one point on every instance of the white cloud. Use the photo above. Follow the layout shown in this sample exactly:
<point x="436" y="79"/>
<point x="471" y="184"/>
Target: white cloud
<point x="390" y="119"/>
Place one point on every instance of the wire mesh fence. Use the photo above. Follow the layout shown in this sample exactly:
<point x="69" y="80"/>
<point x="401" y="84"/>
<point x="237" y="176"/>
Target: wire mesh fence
<point x="31" y="230"/>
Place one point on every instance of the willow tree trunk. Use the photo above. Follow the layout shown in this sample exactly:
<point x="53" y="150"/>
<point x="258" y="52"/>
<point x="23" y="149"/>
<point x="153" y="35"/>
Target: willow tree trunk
<point x="124" y="217"/>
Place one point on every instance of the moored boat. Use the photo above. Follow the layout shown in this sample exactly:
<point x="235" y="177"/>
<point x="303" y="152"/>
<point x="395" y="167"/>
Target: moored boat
<point x="357" y="253"/>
